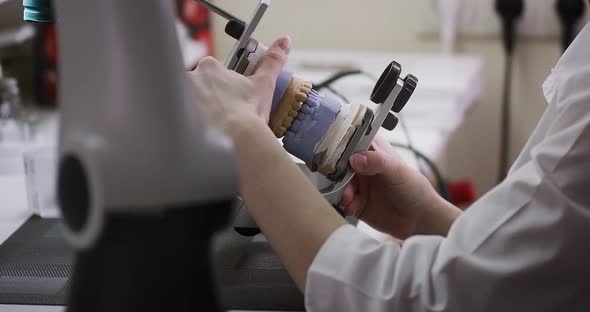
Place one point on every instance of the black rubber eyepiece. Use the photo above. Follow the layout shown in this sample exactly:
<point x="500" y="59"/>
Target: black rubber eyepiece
<point x="235" y="29"/>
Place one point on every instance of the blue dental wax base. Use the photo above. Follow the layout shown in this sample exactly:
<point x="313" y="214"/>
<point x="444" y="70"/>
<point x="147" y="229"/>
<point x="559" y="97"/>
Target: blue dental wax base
<point x="310" y="125"/>
<point x="312" y="122"/>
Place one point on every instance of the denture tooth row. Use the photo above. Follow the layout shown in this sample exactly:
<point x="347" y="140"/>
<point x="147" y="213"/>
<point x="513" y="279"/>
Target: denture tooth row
<point x="304" y="116"/>
<point x="287" y="122"/>
<point x="290" y="106"/>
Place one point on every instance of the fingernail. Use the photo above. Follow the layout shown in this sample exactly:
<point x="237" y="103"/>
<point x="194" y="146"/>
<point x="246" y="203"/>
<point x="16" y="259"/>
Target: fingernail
<point x="285" y="44"/>
<point x="360" y="161"/>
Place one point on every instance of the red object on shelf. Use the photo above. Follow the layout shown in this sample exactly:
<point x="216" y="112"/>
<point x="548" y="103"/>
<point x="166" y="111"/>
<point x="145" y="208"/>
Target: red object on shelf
<point x="197" y="20"/>
<point x="50" y="47"/>
<point x="49" y="92"/>
<point x="191" y="14"/>
<point x="462" y="192"/>
<point x="45" y="73"/>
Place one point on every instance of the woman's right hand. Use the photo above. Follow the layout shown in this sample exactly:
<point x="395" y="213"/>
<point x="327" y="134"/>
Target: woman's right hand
<point x="394" y="198"/>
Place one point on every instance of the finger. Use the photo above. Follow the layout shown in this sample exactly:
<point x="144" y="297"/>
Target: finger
<point x="208" y="63"/>
<point x="359" y="203"/>
<point x="349" y="193"/>
<point x="274" y="59"/>
<point x="369" y="162"/>
<point x="350" y="199"/>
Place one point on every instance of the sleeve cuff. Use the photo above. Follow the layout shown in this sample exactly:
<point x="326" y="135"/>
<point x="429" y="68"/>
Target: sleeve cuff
<point x="340" y="267"/>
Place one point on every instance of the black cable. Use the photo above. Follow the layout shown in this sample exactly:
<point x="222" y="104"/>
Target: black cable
<point x="338" y="94"/>
<point x="402" y="123"/>
<point x="510" y="11"/>
<point x="339" y="75"/>
<point x="569" y="12"/>
<point x="506" y="120"/>
<point x="441" y="185"/>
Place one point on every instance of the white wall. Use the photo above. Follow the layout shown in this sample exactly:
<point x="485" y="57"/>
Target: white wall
<point x="393" y="25"/>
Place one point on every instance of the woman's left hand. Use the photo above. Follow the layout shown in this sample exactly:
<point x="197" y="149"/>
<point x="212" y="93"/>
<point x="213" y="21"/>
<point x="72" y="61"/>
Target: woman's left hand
<point x="231" y="99"/>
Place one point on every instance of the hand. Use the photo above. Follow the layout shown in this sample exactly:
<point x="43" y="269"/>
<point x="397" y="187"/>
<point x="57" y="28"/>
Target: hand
<point x="231" y="99"/>
<point x="297" y="224"/>
<point x="392" y="197"/>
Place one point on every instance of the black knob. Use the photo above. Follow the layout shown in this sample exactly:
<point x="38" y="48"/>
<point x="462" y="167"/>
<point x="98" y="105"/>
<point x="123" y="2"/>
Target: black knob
<point x="410" y="84"/>
<point x="386" y="83"/>
<point x="390" y="122"/>
<point x="235" y="29"/>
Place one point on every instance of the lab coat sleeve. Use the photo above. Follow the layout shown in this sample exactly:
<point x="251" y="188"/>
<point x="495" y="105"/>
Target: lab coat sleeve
<point x="521" y="247"/>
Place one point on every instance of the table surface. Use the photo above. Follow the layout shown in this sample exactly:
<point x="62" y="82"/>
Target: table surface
<point x="13" y="211"/>
<point x="449" y="86"/>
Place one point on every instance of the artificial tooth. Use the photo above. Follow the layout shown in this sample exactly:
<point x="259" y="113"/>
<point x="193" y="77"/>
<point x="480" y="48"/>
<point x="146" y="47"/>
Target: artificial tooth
<point x="305" y="89"/>
<point x="301" y="97"/>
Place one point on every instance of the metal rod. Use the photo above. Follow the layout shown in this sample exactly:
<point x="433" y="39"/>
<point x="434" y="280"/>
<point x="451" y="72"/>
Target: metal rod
<point x="219" y="11"/>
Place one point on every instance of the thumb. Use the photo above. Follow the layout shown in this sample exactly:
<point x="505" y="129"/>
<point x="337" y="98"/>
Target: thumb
<point x="274" y="58"/>
<point x="369" y="163"/>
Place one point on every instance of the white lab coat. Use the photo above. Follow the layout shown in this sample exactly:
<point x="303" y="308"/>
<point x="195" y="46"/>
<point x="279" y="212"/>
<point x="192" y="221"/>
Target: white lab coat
<point x="524" y="246"/>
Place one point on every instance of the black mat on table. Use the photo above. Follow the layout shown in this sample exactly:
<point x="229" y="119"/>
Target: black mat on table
<point x="36" y="264"/>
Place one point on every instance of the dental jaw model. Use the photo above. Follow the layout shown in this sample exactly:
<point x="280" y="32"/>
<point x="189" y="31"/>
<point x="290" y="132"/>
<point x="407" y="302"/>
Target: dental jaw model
<point x="315" y="129"/>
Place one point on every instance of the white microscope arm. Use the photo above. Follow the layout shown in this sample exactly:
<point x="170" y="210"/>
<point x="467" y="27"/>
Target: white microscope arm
<point x="143" y="183"/>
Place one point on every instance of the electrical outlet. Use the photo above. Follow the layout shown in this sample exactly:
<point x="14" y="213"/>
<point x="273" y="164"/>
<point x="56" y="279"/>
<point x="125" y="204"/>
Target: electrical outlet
<point x="478" y="18"/>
